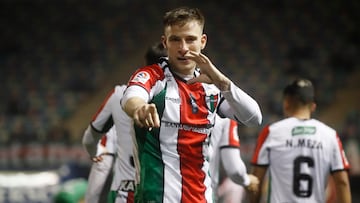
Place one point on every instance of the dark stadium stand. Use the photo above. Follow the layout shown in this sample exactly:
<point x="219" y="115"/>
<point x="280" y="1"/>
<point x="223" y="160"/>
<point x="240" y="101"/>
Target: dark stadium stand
<point x="57" y="57"/>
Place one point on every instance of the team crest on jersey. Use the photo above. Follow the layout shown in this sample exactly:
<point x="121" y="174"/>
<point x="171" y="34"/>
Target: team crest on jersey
<point x="141" y="77"/>
<point x="211" y="102"/>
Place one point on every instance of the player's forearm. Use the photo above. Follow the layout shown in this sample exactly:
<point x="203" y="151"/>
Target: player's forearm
<point x="342" y="186"/>
<point x="132" y="104"/>
<point x="254" y="197"/>
<point x="343" y="193"/>
<point x="259" y="172"/>
<point x="90" y="140"/>
<point x="244" y="107"/>
<point x="234" y="166"/>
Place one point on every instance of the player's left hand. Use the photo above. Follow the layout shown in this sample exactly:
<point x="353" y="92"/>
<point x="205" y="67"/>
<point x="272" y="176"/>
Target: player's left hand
<point x="97" y="159"/>
<point x="209" y="73"/>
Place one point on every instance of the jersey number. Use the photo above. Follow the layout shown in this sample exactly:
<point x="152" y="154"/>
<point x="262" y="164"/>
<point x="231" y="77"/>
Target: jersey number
<point x="302" y="182"/>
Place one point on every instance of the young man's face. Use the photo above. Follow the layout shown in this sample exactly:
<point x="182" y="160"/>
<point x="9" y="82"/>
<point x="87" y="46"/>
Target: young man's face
<point x="180" y="39"/>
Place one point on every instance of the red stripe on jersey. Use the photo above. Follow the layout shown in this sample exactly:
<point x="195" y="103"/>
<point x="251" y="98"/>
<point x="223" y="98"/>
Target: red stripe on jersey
<point x="103" y="140"/>
<point x="147" y="76"/>
<point x="343" y="157"/>
<point x="233" y="136"/>
<point x="193" y="111"/>
<point x="130" y="197"/>
<point x="103" y="104"/>
<point x="191" y="161"/>
<point x="261" y="139"/>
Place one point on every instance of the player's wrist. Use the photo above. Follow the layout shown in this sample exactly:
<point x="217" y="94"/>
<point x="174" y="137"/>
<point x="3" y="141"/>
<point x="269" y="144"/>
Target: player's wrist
<point x="247" y="180"/>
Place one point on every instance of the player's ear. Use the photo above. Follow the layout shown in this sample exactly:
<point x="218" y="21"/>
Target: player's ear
<point x="163" y="40"/>
<point x="286" y="105"/>
<point x="313" y="107"/>
<point x="203" y="41"/>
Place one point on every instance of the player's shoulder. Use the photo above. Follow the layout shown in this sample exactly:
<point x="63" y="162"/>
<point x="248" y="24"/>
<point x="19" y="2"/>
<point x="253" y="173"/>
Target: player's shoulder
<point x="281" y="123"/>
<point x="149" y="73"/>
<point x="119" y="89"/>
<point x="321" y="126"/>
<point x="155" y="70"/>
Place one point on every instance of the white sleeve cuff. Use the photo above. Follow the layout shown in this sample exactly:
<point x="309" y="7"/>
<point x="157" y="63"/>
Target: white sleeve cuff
<point x="246" y="180"/>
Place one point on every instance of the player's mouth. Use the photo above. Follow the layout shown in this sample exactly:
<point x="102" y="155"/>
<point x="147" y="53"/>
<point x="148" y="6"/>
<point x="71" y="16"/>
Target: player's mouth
<point x="181" y="58"/>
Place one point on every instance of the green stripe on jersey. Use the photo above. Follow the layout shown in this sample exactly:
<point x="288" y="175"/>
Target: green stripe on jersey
<point x="151" y="187"/>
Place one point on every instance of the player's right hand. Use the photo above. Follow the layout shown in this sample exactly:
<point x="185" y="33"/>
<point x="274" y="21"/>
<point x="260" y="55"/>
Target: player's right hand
<point x="253" y="187"/>
<point x="147" y="116"/>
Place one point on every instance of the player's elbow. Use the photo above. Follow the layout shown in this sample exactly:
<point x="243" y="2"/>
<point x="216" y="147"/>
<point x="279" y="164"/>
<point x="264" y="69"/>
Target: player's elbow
<point x="254" y="120"/>
<point x="236" y="174"/>
<point x="87" y="138"/>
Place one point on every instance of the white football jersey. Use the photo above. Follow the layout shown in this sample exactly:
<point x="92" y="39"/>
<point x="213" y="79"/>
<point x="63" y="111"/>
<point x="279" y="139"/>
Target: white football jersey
<point x="300" y="155"/>
<point x="111" y="114"/>
<point x="224" y="134"/>
<point x="171" y="161"/>
<point x="107" y="143"/>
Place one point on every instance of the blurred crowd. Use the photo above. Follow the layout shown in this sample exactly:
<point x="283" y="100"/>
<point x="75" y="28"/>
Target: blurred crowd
<point x="53" y="55"/>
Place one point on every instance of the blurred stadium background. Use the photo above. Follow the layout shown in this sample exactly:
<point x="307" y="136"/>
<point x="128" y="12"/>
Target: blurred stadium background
<point x="58" y="60"/>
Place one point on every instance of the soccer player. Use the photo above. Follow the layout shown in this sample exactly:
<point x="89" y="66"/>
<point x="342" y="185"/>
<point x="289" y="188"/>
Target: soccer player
<point x="101" y="172"/>
<point x="300" y="152"/>
<point x="110" y="113"/>
<point x="225" y="151"/>
<point x="173" y="105"/>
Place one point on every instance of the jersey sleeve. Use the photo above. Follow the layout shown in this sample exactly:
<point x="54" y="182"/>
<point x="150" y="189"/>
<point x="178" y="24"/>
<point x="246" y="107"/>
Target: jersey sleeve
<point x="230" y="137"/>
<point x="339" y="160"/>
<point x="142" y="81"/>
<point x="111" y="140"/>
<point x="147" y="77"/>
<point x="102" y="120"/>
<point x="234" y="166"/>
<point x="238" y="105"/>
<point x="261" y="156"/>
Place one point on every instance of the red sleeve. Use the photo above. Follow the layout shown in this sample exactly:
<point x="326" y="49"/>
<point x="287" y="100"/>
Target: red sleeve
<point x="103" y="104"/>
<point x="233" y="135"/>
<point x="147" y="76"/>
<point x="343" y="157"/>
<point x="260" y="141"/>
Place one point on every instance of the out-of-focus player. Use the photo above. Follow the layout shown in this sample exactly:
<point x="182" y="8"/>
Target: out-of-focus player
<point x="101" y="172"/>
<point x="225" y="151"/>
<point x="110" y="113"/>
<point x="300" y="152"/>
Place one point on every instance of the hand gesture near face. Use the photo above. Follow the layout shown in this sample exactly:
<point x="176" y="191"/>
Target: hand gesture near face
<point x="209" y="73"/>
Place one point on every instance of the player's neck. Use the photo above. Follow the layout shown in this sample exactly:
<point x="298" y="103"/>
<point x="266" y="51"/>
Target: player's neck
<point x="183" y="76"/>
<point x="301" y="114"/>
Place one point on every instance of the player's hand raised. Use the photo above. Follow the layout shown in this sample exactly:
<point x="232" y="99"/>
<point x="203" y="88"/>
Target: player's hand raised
<point x="209" y="73"/>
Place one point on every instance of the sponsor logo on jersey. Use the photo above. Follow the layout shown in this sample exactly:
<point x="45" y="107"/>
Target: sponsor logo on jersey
<point x="174" y="100"/>
<point x="303" y="130"/>
<point x="204" y="129"/>
<point x="141" y="77"/>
